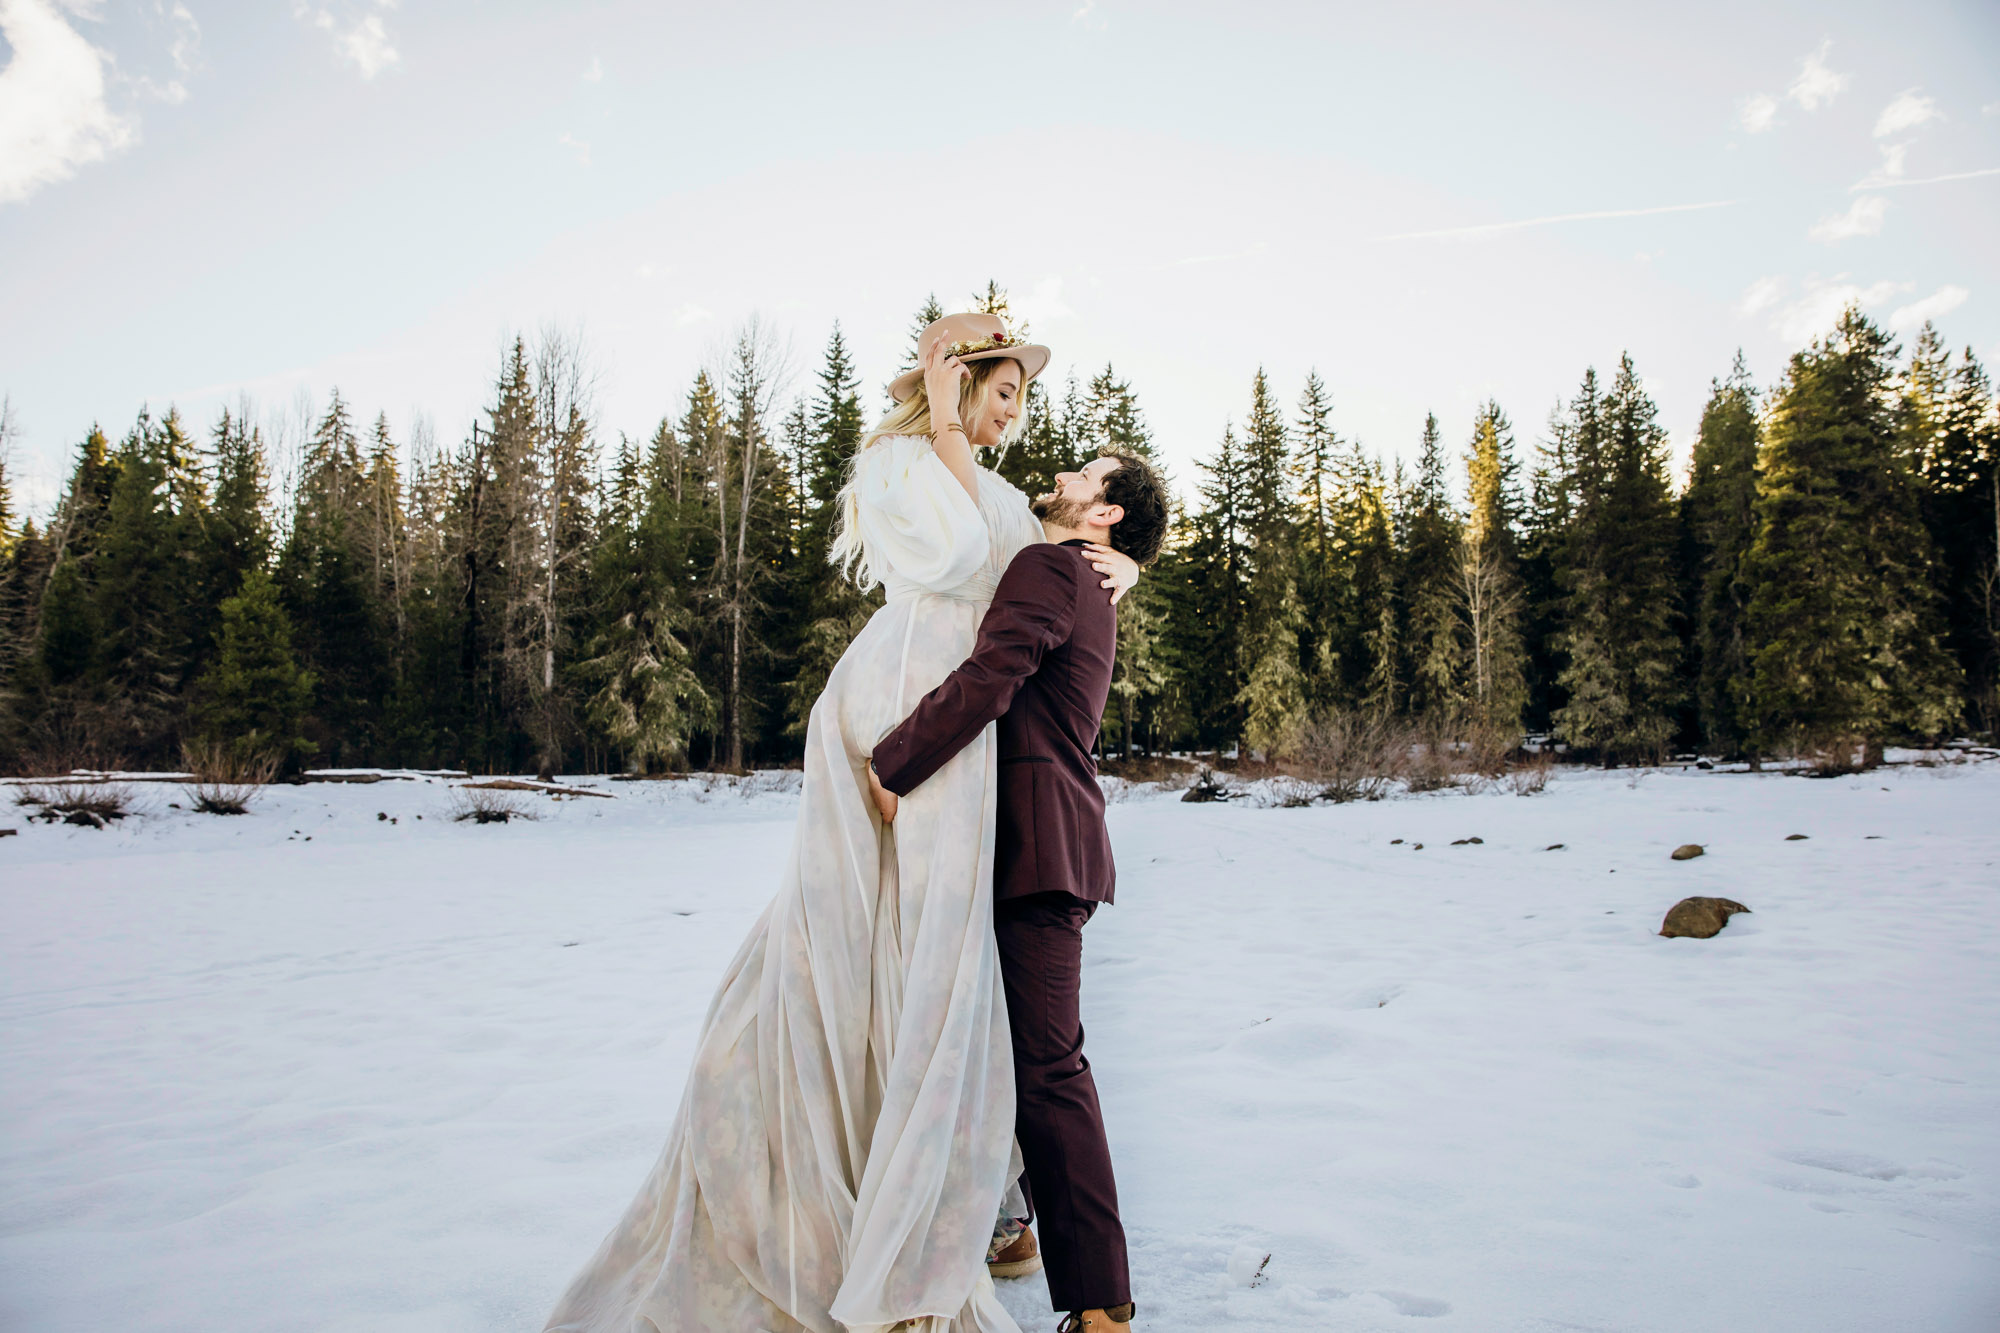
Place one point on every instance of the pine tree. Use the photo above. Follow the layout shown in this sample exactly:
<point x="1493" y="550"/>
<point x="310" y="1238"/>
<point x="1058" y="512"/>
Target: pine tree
<point x="1054" y="440"/>
<point x="23" y="576"/>
<point x="1489" y="586"/>
<point x="254" y="697"/>
<point x="1843" y="617"/>
<point x="559" y="523"/>
<point x="1618" y="578"/>
<point x="146" y="581"/>
<point x="1371" y="630"/>
<point x="645" y="697"/>
<point x="927" y="314"/>
<point x="1719" y="512"/>
<point x="1204" y="580"/>
<point x="1952" y="439"/>
<point x="1429" y="585"/>
<point x="72" y="635"/>
<point x="86" y="499"/>
<point x="8" y="430"/>
<point x="385" y="525"/>
<point x="1272" y="695"/>
<point x="834" y="609"/>
<point x="749" y="476"/>
<point x="1545" y="546"/>
<point x="1113" y="422"/>
<point x="239" y="517"/>
<point x="325" y="576"/>
<point x="1326" y="549"/>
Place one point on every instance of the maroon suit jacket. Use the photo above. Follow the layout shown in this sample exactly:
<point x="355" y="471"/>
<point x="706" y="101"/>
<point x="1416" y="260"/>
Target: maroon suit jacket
<point x="1042" y="667"/>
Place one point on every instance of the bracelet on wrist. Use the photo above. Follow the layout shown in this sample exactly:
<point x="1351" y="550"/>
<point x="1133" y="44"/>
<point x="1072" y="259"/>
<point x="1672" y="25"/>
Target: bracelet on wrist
<point x="951" y="425"/>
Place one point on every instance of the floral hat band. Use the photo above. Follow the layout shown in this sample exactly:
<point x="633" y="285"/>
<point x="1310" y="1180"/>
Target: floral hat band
<point x="961" y="349"/>
<point x="972" y="337"/>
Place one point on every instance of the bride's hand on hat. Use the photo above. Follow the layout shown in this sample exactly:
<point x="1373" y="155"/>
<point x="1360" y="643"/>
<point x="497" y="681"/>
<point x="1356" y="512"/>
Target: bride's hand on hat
<point x="1121" y="571"/>
<point x="943" y="376"/>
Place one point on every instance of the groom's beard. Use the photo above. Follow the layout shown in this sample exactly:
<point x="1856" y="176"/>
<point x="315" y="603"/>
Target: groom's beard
<point x="1053" y="509"/>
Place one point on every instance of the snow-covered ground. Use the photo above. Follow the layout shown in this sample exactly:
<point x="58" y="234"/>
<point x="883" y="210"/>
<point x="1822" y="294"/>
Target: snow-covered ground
<point x="400" y="1078"/>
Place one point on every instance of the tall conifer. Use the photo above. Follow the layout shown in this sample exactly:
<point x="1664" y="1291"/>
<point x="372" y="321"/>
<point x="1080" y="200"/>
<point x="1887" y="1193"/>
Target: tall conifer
<point x="1618" y="631"/>
<point x="1489" y="581"/>
<point x="1429" y="579"/>
<point x="1952" y="438"/>
<point x="1272" y="694"/>
<point x="253" y="698"/>
<point x="1720" y="511"/>
<point x="1843" y="619"/>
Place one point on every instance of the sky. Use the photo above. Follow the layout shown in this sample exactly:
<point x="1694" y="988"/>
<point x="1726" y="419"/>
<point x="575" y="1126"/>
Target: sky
<point x="1429" y="204"/>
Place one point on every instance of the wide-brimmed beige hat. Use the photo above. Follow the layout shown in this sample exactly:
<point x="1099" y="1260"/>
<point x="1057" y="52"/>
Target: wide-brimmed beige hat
<point x="971" y="338"/>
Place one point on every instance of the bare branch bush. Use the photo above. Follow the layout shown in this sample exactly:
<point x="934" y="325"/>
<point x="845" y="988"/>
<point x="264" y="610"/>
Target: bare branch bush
<point x="1531" y="775"/>
<point x="78" y="800"/>
<point x="1346" y="754"/>
<point x="488" y="805"/>
<point x="225" y="782"/>
<point x="1432" y="761"/>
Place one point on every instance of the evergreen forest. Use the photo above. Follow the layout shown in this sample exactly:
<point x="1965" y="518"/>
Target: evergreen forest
<point x="537" y="597"/>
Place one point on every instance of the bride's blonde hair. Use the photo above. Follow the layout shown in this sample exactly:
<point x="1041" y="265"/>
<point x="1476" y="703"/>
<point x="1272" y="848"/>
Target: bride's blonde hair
<point x="912" y="416"/>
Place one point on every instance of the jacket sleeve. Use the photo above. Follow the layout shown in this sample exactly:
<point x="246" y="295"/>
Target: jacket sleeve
<point x="1033" y="610"/>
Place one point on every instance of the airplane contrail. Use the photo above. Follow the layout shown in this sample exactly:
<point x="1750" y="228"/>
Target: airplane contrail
<point x="1487" y="229"/>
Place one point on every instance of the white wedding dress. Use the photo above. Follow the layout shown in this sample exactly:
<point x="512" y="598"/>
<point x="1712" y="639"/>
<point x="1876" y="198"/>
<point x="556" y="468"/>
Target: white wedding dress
<point x="846" y="1133"/>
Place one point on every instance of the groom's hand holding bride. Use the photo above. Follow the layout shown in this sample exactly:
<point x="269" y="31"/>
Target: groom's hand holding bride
<point x="885" y="800"/>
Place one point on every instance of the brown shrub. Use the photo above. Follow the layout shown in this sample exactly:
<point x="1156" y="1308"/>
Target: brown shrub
<point x="488" y="805"/>
<point x="1531" y="774"/>
<point x="1348" y="755"/>
<point x="226" y="780"/>
<point x="78" y="800"/>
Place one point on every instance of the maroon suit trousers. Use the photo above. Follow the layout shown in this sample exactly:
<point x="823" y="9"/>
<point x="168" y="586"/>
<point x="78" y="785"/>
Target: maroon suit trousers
<point x="1056" y="1117"/>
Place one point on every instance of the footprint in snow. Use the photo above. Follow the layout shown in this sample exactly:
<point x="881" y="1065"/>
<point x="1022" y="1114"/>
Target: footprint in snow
<point x="1872" y="1168"/>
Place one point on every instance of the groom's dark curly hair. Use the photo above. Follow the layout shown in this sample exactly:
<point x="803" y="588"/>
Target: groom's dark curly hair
<point x="1137" y="487"/>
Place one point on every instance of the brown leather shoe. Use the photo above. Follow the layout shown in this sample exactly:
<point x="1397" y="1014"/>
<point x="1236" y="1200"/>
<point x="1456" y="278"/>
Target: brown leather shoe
<point x="1118" y="1319"/>
<point x="1018" y="1258"/>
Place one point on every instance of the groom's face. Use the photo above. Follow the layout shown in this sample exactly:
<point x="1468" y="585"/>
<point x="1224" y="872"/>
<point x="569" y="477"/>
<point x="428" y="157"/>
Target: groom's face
<point x="1078" y="499"/>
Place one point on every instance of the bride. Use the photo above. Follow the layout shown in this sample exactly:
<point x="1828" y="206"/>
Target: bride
<point x="844" y="1141"/>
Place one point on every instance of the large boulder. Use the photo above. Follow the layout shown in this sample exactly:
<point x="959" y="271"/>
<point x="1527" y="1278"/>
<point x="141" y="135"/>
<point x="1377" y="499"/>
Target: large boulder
<point x="1699" y="918"/>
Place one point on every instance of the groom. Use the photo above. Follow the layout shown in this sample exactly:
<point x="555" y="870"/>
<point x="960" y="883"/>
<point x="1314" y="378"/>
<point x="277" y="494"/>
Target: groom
<point x="1042" y="667"/>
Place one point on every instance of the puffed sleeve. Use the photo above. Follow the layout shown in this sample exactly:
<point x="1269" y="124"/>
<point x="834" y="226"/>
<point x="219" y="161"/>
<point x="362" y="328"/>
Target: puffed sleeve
<point x="916" y="521"/>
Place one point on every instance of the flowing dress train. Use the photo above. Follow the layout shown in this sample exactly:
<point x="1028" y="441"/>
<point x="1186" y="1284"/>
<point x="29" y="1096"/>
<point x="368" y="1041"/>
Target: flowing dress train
<point x="845" y="1136"/>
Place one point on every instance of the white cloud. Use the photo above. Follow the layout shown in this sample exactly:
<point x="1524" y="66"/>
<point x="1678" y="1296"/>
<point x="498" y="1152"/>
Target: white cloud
<point x="577" y="146"/>
<point x="1759" y="113"/>
<point x="1939" y="303"/>
<point x="1863" y="218"/>
<point x="1909" y="110"/>
<point x="1816" y="84"/>
<point x="53" y="116"/>
<point x="1043" y="305"/>
<point x="367" y="45"/>
<point x="1819" y="309"/>
<point x="364" y="41"/>
<point x="595" y="74"/>
<point x="1760" y="296"/>
<point x="1892" y="159"/>
<point x="184" y="50"/>
<point x="1088" y="16"/>
<point x="692" y="314"/>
